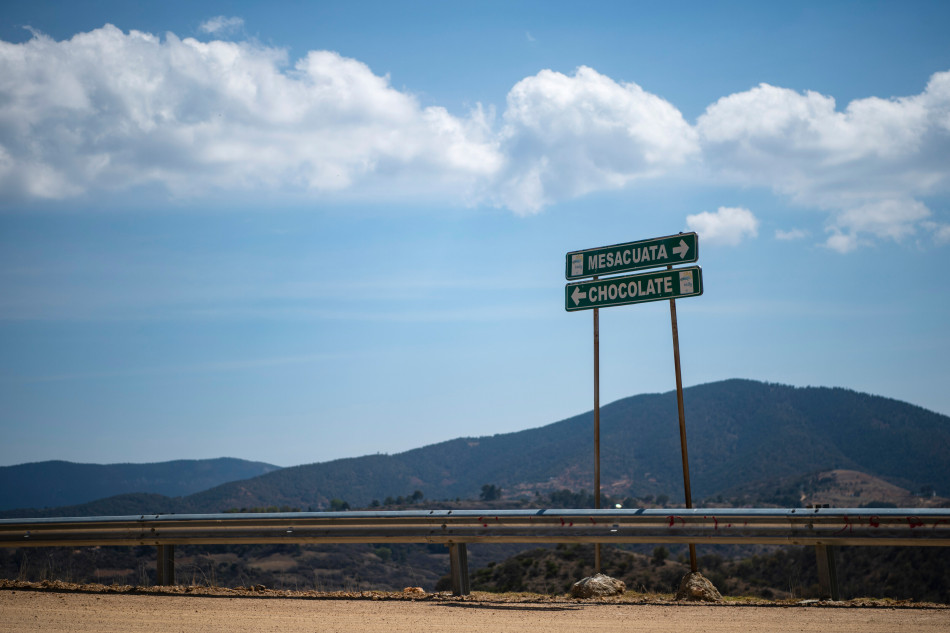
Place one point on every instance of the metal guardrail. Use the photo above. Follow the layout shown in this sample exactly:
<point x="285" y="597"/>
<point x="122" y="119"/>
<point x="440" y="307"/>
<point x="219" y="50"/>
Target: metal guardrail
<point x="824" y="526"/>
<point x="821" y="527"/>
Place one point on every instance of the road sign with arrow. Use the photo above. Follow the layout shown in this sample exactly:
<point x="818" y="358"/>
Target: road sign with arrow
<point x="682" y="248"/>
<point x="616" y="291"/>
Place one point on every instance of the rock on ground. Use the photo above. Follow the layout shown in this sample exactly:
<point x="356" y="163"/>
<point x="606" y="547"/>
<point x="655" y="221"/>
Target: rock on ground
<point x="696" y="587"/>
<point x="597" y="586"/>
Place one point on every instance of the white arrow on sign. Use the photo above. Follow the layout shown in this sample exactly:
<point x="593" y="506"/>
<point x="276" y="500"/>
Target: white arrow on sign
<point x="681" y="250"/>
<point x="577" y="295"/>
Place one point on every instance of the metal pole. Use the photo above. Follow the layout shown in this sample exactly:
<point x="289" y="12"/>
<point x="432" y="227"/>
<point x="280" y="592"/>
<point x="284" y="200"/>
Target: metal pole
<point x="596" y="427"/>
<point x="827" y="572"/>
<point x="682" y="415"/>
<point x="166" y="565"/>
<point x="458" y="569"/>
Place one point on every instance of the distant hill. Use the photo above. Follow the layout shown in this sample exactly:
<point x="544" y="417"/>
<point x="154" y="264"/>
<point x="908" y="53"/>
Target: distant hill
<point x="59" y="483"/>
<point x="740" y="432"/>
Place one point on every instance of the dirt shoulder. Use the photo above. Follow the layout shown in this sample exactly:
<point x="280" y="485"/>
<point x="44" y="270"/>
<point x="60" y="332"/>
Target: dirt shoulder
<point x="56" y="606"/>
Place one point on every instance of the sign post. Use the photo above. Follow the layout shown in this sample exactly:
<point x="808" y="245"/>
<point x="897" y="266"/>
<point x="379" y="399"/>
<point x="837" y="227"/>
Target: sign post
<point x="596" y="293"/>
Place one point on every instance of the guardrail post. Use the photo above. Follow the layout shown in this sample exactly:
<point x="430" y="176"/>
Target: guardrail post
<point x="458" y="561"/>
<point x="827" y="572"/>
<point x="166" y="565"/>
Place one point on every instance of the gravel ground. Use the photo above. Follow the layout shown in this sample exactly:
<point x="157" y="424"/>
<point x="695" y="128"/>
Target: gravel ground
<point x="57" y="606"/>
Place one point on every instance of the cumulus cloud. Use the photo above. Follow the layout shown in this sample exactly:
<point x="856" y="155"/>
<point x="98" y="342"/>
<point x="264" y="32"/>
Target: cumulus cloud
<point x="564" y="136"/>
<point x="868" y="165"/>
<point x="728" y="225"/>
<point x="112" y="110"/>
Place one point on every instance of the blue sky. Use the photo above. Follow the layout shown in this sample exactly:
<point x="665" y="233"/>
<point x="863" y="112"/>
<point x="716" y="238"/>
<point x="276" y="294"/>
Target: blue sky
<point x="297" y="231"/>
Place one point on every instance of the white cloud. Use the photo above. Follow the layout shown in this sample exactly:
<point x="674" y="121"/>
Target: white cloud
<point x="941" y="232"/>
<point x="220" y="25"/>
<point x="841" y="242"/>
<point x="788" y="236"/>
<point x="866" y="165"/>
<point x="895" y="219"/>
<point x="565" y="136"/>
<point x="728" y="225"/>
<point x="112" y="110"/>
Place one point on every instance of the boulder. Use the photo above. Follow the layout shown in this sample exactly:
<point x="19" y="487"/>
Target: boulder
<point x="597" y="586"/>
<point x="696" y="587"/>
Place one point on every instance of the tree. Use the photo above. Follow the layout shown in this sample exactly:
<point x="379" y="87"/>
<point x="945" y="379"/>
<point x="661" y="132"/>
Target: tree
<point x="338" y="505"/>
<point x="490" y="492"/>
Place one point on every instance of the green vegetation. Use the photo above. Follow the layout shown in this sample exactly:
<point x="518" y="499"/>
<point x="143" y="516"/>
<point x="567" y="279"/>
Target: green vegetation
<point x="905" y="573"/>
<point x="490" y="492"/>
<point x="899" y="573"/>
<point x="300" y="567"/>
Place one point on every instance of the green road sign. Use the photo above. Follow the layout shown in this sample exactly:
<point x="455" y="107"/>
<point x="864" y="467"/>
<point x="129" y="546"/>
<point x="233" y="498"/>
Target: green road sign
<point x="620" y="258"/>
<point x="618" y="291"/>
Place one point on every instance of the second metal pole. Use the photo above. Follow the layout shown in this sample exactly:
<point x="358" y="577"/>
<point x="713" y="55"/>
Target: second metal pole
<point x="682" y="415"/>
<point x="596" y="427"/>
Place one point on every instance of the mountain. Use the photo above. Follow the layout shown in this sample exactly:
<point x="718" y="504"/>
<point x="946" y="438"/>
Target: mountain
<point x="740" y="432"/>
<point x="59" y="483"/>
